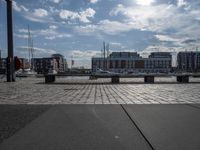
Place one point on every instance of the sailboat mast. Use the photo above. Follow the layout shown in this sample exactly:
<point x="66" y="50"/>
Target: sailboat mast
<point x="29" y="43"/>
<point x="32" y="51"/>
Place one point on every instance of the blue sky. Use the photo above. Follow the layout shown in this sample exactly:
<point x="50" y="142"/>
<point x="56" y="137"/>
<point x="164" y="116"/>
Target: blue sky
<point x="78" y="27"/>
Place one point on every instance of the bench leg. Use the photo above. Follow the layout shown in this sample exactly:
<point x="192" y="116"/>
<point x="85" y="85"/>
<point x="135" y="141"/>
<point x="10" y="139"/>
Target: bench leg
<point x="182" y="79"/>
<point x="149" y="79"/>
<point x="115" y="79"/>
<point x="50" y="78"/>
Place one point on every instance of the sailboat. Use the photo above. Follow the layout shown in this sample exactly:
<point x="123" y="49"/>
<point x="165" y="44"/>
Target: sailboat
<point x="30" y="71"/>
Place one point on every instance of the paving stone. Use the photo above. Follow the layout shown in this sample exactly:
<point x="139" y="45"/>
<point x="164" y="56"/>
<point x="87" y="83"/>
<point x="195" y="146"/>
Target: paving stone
<point x="72" y="90"/>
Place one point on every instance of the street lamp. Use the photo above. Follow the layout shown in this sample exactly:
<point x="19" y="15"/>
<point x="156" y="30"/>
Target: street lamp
<point x="10" y="58"/>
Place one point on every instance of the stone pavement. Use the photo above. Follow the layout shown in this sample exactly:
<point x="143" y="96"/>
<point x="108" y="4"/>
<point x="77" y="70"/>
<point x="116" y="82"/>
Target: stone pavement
<point x="130" y="126"/>
<point x="107" y="127"/>
<point x="83" y="91"/>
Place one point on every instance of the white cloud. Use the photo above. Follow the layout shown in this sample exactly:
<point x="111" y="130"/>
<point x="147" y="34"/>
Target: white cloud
<point x="16" y="7"/>
<point x="162" y="18"/>
<point x="88" y="13"/>
<point x="82" y="58"/>
<point x="144" y="2"/>
<point x="181" y="3"/>
<point x="115" y="44"/>
<point x="53" y="27"/>
<point x="81" y="16"/>
<point x="38" y="52"/>
<point x="24" y="8"/>
<point x="148" y="18"/>
<point x="104" y="26"/>
<point x="19" y="8"/>
<point x="56" y="1"/>
<point x="39" y="15"/>
<point x="23" y="36"/>
<point x="93" y="1"/>
<point x="51" y="33"/>
<point x="66" y="14"/>
<point x="166" y="38"/>
<point x="40" y="12"/>
<point x="85" y="54"/>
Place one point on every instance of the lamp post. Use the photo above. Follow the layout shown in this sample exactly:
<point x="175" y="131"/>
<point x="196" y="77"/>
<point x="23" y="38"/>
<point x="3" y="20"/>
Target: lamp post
<point x="10" y="58"/>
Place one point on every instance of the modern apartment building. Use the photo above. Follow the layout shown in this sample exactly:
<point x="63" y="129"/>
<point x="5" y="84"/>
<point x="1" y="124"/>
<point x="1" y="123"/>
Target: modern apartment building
<point x="45" y="65"/>
<point x="133" y="62"/>
<point x="188" y="61"/>
<point x="61" y="61"/>
<point x="24" y="63"/>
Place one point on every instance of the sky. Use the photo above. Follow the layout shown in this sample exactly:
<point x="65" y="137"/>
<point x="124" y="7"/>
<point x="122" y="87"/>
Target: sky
<point x="77" y="28"/>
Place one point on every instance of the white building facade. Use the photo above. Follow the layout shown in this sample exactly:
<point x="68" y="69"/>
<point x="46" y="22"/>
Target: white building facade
<point x="132" y="62"/>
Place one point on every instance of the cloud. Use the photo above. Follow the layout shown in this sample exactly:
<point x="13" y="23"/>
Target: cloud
<point x="148" y="18"/>
<point x="181" y="3"/>
<point x="38" y="52"/>
<point x="24" y="8"/>
<point x="190" y="41"/>
<point x="56" y="1"/>
<point x="82" y="58"/>
<point x="162" y="19"/>
<point x="115" y="45"/>
<point x="50" y="33"/>
<point x="53" y="27"/>
<point x="166" y="38"/>
<point x="24" y="36"/>
<point x="85" y="54"/>
<point x="144" y="2"/>
<point x="40" y="13"/>
<point x="82" y="16"/>
<point x="16" y="7"/>
<point x="19" y="8"/>
<point x="104" y="26"/>
<point x="93" y="1"/>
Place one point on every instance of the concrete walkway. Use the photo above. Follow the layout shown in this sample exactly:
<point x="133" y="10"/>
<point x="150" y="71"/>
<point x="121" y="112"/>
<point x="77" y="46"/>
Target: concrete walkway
<point x="106" y="127"/>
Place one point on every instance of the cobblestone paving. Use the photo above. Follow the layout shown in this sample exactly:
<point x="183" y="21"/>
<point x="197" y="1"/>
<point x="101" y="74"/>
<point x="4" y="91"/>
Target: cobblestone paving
<point x="73" y="90"/>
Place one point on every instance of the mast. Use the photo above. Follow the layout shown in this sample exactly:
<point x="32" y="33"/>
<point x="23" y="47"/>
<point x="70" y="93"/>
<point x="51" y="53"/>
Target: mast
<point x="0" y="58"/>
<point x="29" y="47"/>
<point x="107" y="52"/>
<point x="104" y="55"/>
<point x="107" y="49"/>
<point x="32" y="55"/>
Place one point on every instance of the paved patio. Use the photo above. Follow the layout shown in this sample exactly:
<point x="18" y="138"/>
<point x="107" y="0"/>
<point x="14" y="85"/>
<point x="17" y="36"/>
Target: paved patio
<point x="84" y="91"/>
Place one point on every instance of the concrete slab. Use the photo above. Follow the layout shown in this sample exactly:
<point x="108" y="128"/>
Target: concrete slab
<point x="74" y="127"/>
<point x="168" y="127"/>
